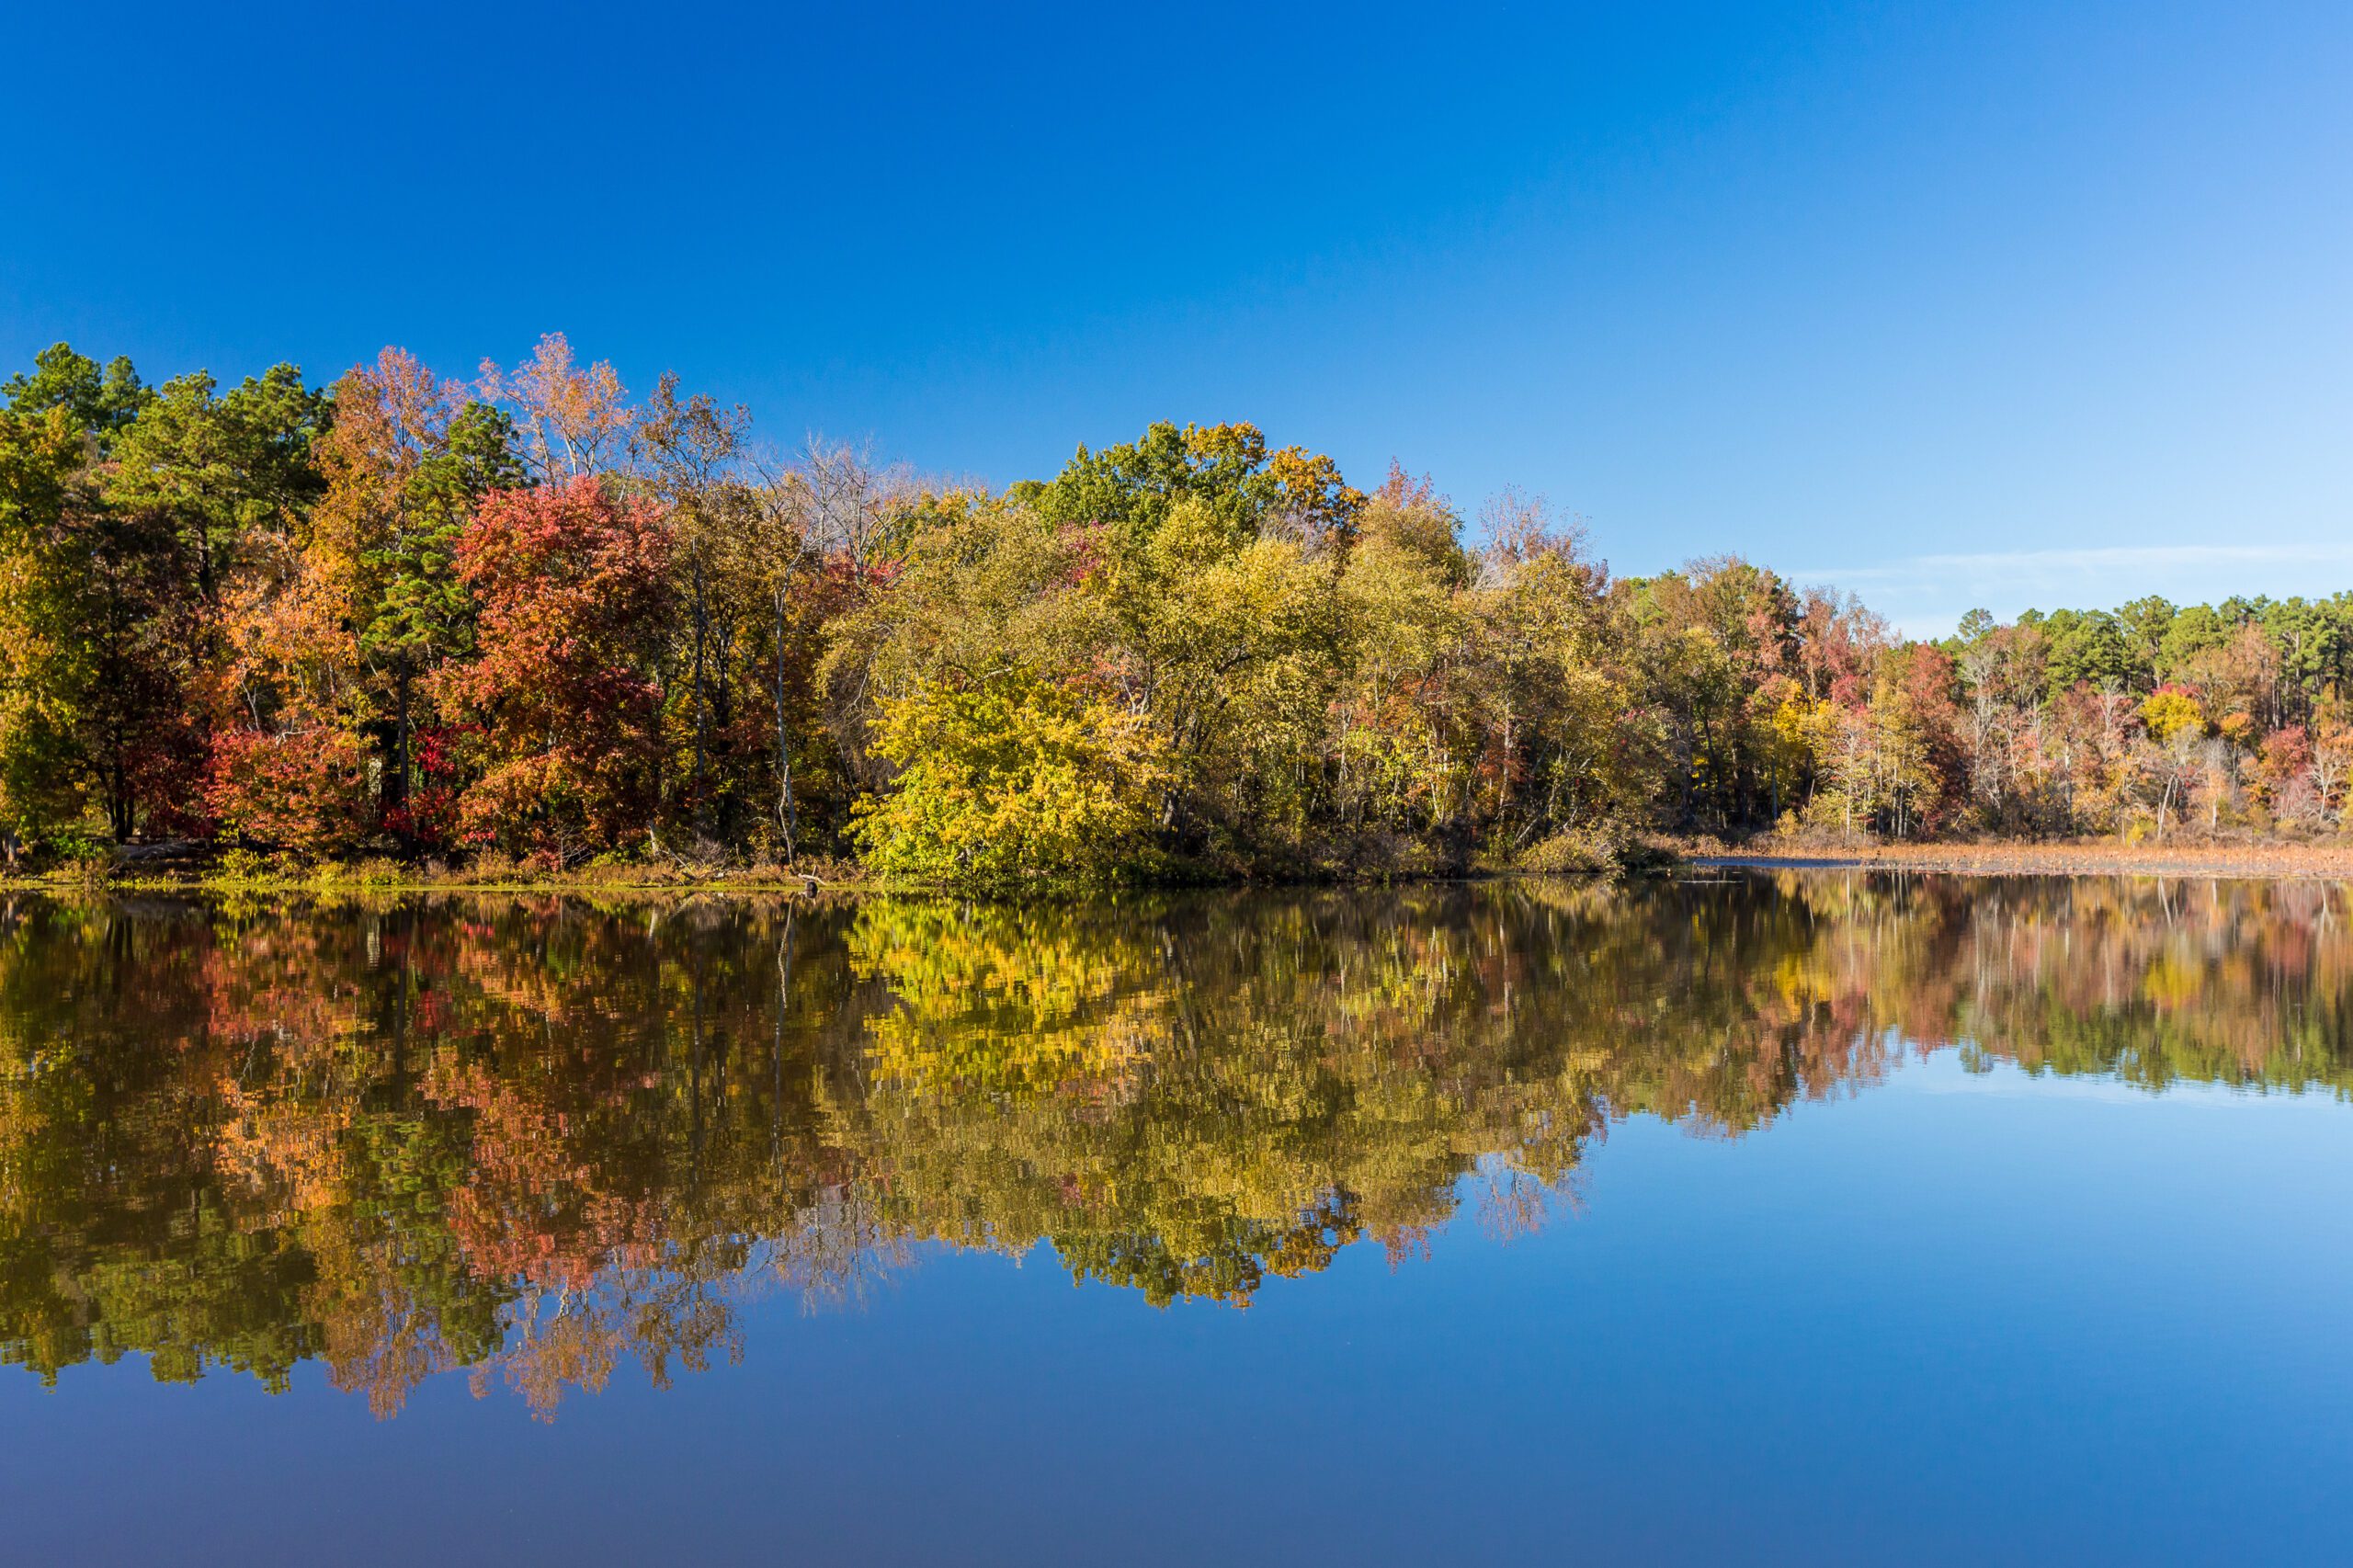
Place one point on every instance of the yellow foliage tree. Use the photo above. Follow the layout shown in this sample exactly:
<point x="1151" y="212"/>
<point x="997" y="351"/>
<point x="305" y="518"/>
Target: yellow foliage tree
<point x="1009" y="781"/>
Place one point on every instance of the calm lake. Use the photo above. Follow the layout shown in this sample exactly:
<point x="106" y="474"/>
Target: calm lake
<point x="1810" y="1218"/>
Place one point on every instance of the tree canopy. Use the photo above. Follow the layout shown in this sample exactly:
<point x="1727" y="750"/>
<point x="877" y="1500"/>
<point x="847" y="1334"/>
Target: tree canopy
<point x="523" y="615"/>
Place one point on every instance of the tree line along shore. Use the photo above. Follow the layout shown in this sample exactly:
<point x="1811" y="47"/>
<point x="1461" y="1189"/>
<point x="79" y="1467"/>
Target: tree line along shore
<point x="523" y="625"/>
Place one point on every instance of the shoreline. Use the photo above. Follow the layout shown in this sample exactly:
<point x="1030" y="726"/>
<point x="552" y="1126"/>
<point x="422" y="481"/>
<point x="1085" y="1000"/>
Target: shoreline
<point x="2271" y="862"/>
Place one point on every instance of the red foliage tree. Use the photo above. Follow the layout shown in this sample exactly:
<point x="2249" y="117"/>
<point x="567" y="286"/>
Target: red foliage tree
<point x="303" y="789"/>
<point x="573" y="586"/>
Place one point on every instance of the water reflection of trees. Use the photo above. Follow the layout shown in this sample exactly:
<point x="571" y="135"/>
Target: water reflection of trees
<point x="533" y="1137"/>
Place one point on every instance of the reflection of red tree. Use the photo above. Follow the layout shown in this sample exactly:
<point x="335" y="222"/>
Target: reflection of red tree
<point x="532" y="1208"/>
<point x="284" y="1015"/>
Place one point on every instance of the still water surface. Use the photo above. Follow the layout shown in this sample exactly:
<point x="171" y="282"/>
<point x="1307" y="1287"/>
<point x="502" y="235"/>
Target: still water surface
<point x="1808" y="1218"/>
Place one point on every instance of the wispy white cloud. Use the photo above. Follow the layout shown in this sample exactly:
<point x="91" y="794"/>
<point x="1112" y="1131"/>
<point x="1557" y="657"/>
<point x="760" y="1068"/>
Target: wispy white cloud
<point x="2028" y="565"/>
<point x="1925" y="595"/>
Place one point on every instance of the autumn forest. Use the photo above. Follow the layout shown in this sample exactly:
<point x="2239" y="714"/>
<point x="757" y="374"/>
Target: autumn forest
<point x="525" y="619"/>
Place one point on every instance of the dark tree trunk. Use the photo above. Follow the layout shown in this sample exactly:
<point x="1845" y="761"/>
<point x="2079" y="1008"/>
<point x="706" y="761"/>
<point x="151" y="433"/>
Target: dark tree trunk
<point x="786" y="813"/>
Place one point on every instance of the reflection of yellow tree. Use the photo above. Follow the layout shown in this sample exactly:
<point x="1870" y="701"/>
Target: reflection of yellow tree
<point x="539" y="1140"/>
<point x="1005" y="999"/>
<point x="1179" y="1111"/>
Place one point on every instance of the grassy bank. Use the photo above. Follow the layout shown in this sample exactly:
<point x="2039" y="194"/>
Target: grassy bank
<point x="250" y="875"/>
<point x="193" y="866"/>
<point x="2104" y="857"/>
<point x="387" y="876"/>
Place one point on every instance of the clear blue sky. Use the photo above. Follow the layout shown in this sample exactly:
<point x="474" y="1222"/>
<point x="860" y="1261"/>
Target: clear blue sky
<point x="1953" y="304"/>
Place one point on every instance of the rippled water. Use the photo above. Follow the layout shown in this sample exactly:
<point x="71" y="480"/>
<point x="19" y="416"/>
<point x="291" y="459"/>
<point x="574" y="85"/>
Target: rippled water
<point x="1810" y="1218"/>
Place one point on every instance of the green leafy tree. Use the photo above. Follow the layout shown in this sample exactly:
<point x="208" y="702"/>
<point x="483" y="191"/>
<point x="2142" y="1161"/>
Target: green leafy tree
<point x="105" y="640"/>
<point x="100" y="402"/>
<point x="222" y="465"/>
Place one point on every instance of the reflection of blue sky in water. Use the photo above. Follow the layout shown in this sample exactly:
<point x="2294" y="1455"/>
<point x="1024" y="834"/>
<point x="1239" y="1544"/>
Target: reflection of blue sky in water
<point x="1953" y="1320"/>
<point x="1932" y="1315"/>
